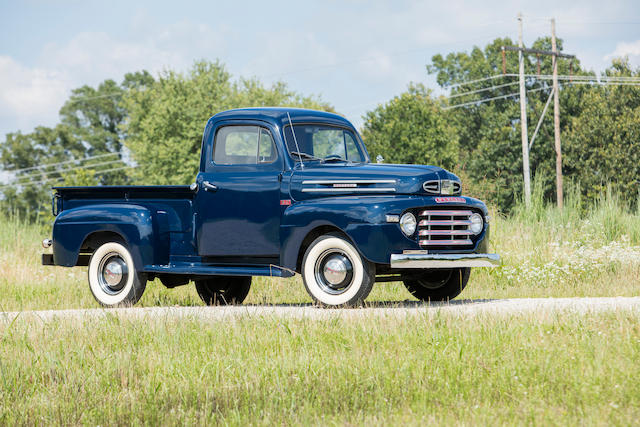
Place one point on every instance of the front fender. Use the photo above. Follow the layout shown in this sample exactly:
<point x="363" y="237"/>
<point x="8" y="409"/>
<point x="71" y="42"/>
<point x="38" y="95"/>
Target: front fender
<point x="133" y="223"/>
<point x="362" y="219"/>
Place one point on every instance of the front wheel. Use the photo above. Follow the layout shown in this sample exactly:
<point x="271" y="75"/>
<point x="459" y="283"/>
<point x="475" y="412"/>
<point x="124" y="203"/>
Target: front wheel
<point x="113" y="278"/>
<point x="438" y="284"/>
<point x="223" y="290"/>
<point x="335" y="274"/>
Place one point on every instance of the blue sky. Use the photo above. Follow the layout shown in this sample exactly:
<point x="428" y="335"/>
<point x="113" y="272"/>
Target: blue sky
<point x="354" y="54"/>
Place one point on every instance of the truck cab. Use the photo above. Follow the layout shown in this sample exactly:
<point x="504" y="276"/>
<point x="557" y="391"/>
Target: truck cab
<point x="279" y="191"/>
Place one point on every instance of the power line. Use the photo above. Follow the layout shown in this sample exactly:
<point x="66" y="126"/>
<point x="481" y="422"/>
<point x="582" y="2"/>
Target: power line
<point x="482" y="101"/>
<point x="108" y="95"/>
<point x="606" y="83"/>
<point x="60" y="163"/>
<point x="546" y="77"/>
<point x="35" y="175"/>
<point x="61" y="178"/>
<point x="486" y="89"/>
<point x="496" y="76"/>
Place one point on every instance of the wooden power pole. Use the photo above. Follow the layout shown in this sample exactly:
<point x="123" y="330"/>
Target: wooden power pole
<point x="523" y="118"/>
<point x="523" y="109"/>
<point x="556" y="117"/>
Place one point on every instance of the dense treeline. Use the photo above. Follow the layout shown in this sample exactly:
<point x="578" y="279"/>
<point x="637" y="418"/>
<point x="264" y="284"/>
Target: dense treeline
<point x="600" y="127"/>
<point x="156" y="123"/>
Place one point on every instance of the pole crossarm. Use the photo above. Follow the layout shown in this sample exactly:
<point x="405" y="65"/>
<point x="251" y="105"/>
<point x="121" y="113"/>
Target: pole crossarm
<point x="538" y="52"/>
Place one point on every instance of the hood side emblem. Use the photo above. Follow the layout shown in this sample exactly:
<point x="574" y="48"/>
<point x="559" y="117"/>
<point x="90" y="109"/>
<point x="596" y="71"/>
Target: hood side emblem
<point x="441" y="187"/>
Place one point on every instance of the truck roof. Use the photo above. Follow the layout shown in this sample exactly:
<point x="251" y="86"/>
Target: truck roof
<point x="278" y="115"/>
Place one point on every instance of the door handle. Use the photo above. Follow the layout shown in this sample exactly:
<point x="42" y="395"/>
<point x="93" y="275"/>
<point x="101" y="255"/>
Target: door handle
<point x="209" y="186"/>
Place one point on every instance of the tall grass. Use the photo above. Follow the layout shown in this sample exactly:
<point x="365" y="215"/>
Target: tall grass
<point x="577" y="251"/>
<point x="565" y="369"/>
<point x="435" y="368"/>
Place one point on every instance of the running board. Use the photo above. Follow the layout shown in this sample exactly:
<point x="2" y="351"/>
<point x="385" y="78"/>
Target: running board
<point x="218" y="270"/>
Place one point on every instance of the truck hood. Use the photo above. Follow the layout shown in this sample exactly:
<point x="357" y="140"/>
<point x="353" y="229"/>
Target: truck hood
<point x="333" y="179"/>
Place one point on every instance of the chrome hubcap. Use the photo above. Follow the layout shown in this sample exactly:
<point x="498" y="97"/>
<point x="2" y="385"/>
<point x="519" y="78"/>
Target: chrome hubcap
<point x="334" y="272"/>
<point x="112" y="273"/>
<point x="335" y="269"/>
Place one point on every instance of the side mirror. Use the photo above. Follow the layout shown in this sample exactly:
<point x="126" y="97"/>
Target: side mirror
<point x="379" y="159"/>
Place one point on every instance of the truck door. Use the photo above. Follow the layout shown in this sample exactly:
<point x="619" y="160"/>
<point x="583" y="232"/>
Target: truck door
<point x="238" y="200"/>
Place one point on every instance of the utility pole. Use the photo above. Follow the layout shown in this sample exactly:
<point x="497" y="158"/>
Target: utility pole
<point x="556" y="117"/>
<point x="523" y="110"/>
<point x="523" y="118"/>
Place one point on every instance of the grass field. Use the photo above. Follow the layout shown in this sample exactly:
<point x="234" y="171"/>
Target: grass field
<point x="434" y="368"/>
<point x="545" y="252"/>
<point x="559" y="370"/>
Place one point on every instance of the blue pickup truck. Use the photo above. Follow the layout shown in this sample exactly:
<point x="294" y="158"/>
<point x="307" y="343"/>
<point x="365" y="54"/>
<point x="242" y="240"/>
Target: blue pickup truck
<point x="280" y="191"/>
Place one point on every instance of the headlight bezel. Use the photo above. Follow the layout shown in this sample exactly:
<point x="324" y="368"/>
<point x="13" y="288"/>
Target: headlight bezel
<point x="477" y="223"/>
<point x="408" y="224"/>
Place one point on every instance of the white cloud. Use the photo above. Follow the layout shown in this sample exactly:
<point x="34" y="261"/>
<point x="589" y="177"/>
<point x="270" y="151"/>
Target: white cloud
<point x="32" y="96"/>
<point x="29" y="96"/>
<point x="91" y="57"/>
<point x="352" y="53"/>
<point x="626" y="49"/>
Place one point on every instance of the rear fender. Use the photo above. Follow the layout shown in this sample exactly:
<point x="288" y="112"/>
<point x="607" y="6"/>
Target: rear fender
<point x="133" y="223"/>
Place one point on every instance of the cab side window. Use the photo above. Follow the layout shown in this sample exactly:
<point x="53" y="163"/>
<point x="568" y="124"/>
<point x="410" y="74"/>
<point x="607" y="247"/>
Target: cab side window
<point x="243" y="145"/>
<point x="352" y="148"/>
<point x="267" y="152"/>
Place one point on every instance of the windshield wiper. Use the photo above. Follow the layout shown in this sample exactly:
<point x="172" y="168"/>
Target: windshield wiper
<point x="334" y="158"/>
<point x="304" y="155"/>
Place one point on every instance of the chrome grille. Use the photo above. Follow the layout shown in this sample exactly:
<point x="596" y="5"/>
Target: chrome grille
<point x="444" y="228"/>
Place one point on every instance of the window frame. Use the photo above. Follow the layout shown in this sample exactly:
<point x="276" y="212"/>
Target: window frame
<point x="359" y="143"/>
<point x="260" y="129"/>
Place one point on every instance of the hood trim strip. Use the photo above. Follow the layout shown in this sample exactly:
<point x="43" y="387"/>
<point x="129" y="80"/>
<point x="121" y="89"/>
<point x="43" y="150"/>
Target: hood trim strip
<point x="350" y="181"/>
<point x="348" y="190"/>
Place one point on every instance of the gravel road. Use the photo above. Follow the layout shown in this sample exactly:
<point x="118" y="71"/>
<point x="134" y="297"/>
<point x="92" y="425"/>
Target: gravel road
<point x="543" y="306"/>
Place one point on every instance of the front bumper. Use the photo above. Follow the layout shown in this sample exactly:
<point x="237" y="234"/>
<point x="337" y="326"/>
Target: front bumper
<point x="411" y="259"/>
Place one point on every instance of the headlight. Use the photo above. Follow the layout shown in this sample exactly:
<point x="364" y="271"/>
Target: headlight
<point x="408" y="223"/>
<point x="476" y="223"/>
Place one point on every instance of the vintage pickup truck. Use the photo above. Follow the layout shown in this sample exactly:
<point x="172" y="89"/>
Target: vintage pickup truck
<point x="280" y="191"/>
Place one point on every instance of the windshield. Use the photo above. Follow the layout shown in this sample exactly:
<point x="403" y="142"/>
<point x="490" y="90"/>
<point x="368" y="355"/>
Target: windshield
<point x="321" y="142"/>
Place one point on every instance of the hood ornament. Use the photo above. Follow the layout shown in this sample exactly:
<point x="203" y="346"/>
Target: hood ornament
<point x="379" y="159"/>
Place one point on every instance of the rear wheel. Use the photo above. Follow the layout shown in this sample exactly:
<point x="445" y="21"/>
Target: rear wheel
<point x="438" y="284"/>
<point x="335" y="274"/>
<point x="113" y="278"/>
<point x="223" y="290"/>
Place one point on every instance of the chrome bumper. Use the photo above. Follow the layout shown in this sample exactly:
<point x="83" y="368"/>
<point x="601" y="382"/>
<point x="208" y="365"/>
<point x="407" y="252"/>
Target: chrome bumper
<point x="424" y="260"/>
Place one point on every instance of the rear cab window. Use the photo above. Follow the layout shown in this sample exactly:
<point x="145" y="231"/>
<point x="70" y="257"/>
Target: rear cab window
<point x="243" y="145"/>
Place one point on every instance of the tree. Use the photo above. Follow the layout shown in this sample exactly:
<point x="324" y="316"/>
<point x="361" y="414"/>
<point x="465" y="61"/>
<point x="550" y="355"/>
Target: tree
<point x="411" y="128"/>
<point x="86" y="143"/>
<point x="602" y="144"/>
<point x="489" y="132"/>
<point x="166" y="120"/>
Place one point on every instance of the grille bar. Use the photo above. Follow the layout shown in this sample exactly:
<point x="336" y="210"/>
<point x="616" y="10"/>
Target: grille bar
<point x="445" y="233"/>
<point x="426" y="222"/>
<point x="445" y="228"/>
<point x="445" y="242"/>
<point x="445" y="213"/>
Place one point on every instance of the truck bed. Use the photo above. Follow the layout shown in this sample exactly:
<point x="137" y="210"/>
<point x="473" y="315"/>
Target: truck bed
<point x="125" y="192"/>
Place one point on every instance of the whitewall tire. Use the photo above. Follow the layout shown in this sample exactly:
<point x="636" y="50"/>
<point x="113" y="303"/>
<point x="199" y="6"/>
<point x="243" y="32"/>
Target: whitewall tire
<point x="113" y="278"/>
<point x="335" y="274"/>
